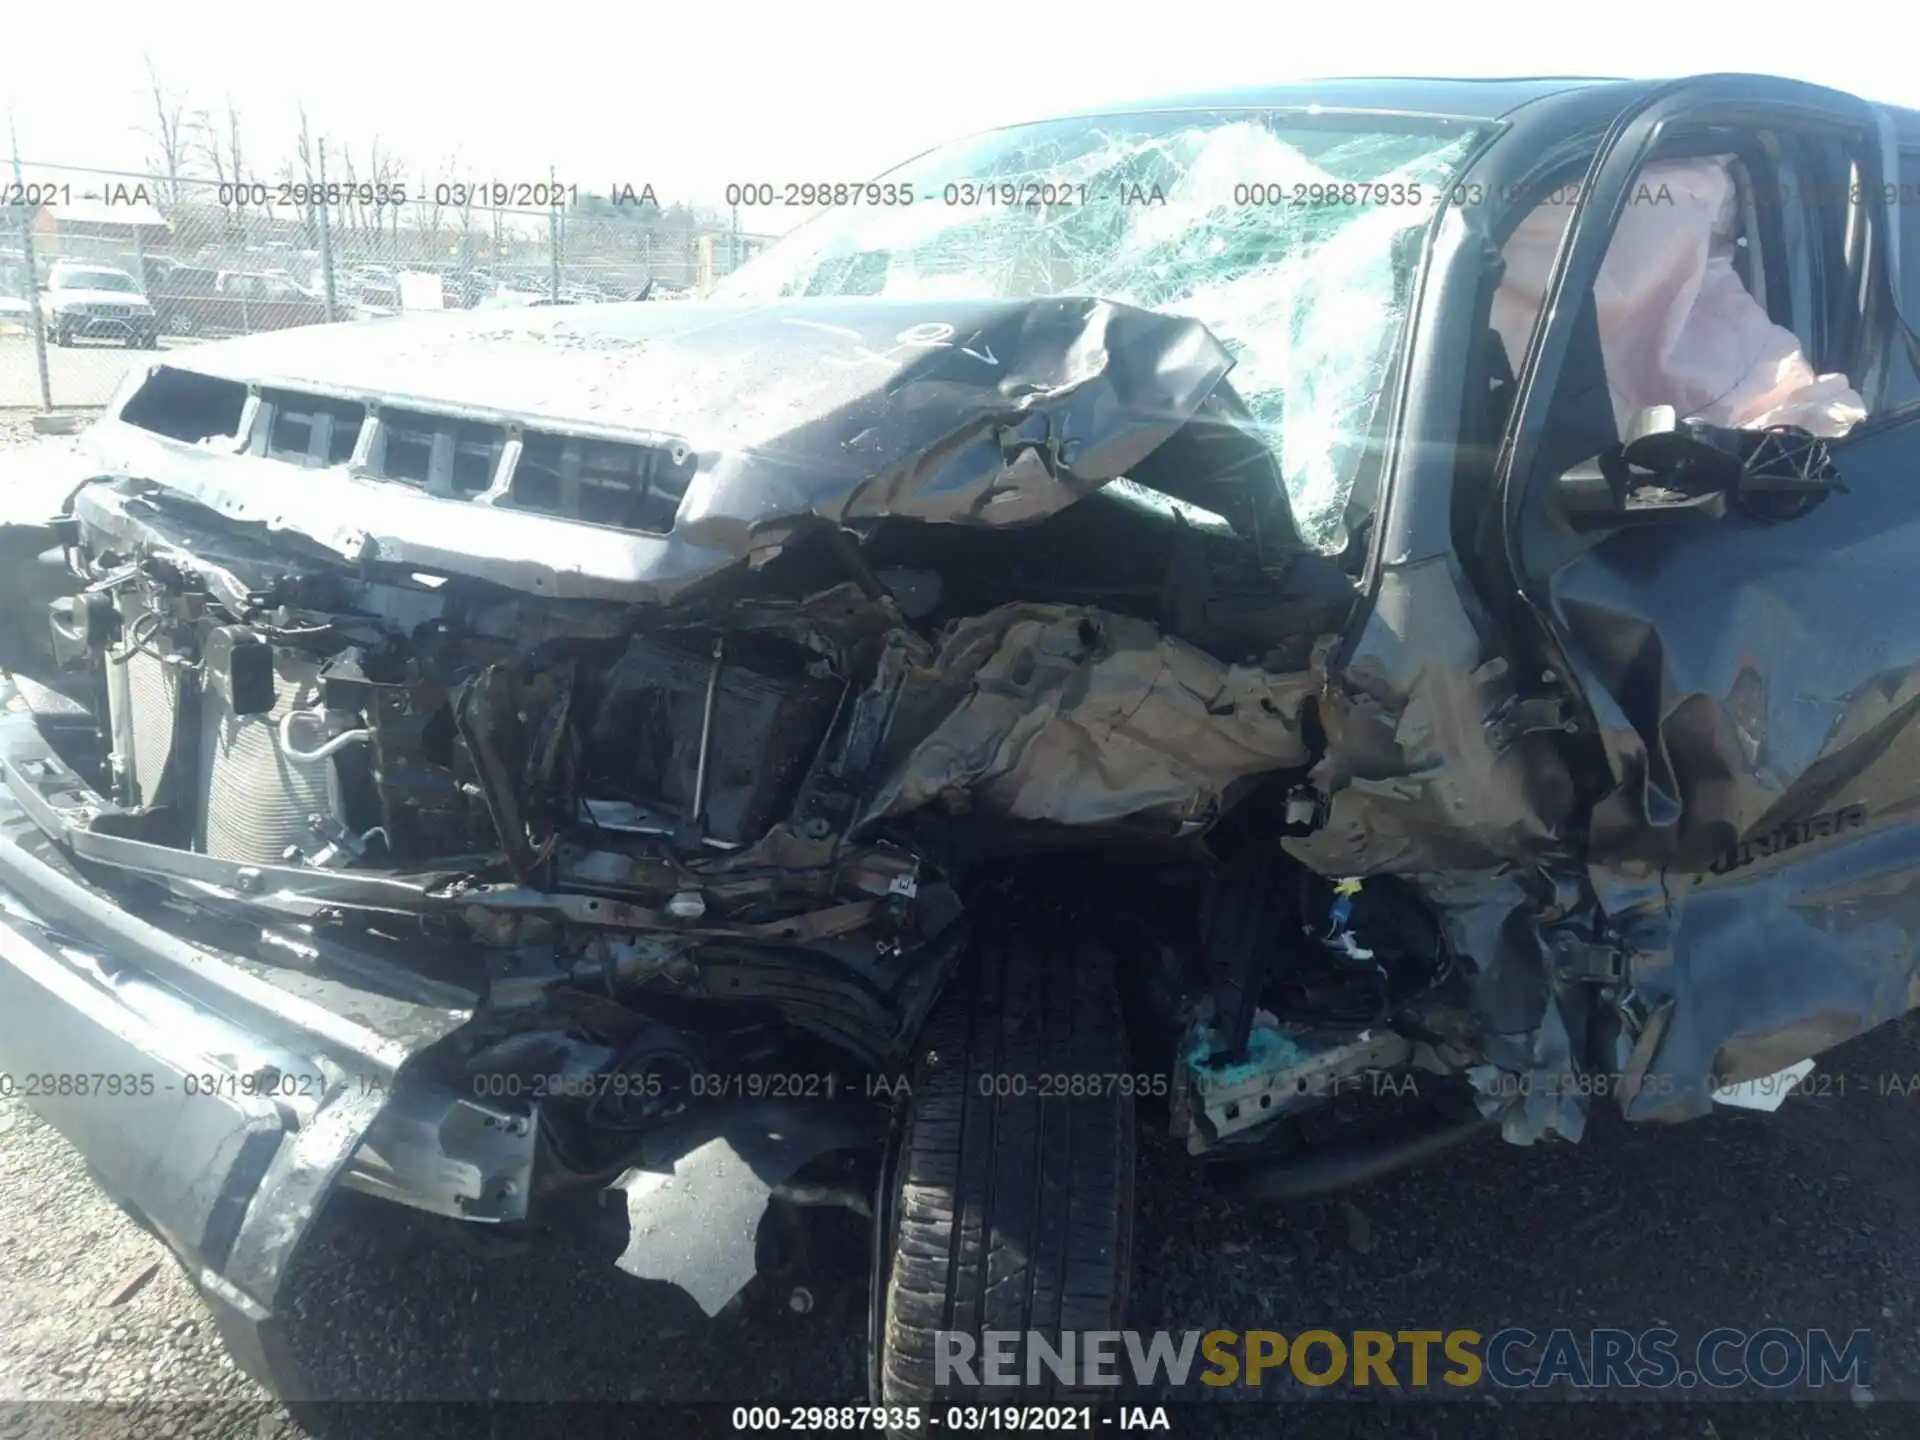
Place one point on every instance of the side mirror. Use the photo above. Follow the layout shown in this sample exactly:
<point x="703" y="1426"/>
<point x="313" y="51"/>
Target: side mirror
<point x="1666" y="468"/>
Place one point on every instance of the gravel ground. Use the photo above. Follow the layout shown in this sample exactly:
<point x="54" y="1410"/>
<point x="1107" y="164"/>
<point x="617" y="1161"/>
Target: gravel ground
<point x="85" y="374"/>
<point x="15" y="428"/>
<point x="1804" y="1218"/>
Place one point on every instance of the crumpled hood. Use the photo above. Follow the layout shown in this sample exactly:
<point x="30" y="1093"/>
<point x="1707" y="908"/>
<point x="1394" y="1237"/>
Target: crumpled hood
<point x="983" y="411"/>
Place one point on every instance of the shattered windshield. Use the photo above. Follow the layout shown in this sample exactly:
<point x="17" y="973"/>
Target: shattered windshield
<point x="1293" y="236"/>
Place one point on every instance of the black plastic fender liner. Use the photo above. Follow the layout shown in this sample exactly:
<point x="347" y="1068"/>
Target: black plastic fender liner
<point x="695" y="1202"/>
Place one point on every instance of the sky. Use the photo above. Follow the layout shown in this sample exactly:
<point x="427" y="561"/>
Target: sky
<point x="690" y="97"/>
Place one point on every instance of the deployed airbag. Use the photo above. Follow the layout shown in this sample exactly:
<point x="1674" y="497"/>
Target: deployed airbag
<point x="1677" y="325"/>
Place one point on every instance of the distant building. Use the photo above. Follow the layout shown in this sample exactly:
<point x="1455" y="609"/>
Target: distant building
<point x="722" y="254"/>
<point x="124" y="220"/>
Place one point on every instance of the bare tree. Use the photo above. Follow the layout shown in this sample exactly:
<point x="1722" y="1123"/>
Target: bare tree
<point x="305" y="174"/>
<point x="220" y="144"/>
<point x="362" y="217"/>
<point x="348" y="213"/>
<point x="429" y="208"/>
<point x="171" y="134"/>
<point x="452" y="168"/>
<point x="390" y="179"/>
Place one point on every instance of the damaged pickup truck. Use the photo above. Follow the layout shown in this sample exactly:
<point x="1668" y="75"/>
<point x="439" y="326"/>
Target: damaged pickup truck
<point x="1364" y="614"/>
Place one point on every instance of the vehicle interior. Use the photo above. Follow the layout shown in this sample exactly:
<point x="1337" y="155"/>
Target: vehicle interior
<point x="1799" y="261"/>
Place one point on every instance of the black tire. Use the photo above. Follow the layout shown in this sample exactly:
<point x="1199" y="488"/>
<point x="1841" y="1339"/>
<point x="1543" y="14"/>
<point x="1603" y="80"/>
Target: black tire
<point x="62" y="336"/>
<point x="1011" y="1212"/>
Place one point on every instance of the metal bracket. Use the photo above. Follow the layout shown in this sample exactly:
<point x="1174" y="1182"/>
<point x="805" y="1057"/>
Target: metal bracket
<point x="1583" y="961"/>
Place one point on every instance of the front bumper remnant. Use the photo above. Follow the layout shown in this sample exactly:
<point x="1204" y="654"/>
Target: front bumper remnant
<point x="218" y="1096"/>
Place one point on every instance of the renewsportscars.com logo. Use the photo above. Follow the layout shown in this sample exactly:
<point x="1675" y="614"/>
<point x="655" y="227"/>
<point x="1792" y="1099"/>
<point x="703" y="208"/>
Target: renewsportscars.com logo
<point x="1375" y="1360"/>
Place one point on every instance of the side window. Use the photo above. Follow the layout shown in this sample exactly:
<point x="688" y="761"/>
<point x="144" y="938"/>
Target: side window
<point x="1683" y="311"/>
<point x="1910" y="235"/>
<point x="1903" y="387"/>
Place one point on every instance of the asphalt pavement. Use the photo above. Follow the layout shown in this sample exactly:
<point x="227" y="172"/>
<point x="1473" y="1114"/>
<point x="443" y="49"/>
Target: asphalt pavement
<point x="1802" y="1219"/>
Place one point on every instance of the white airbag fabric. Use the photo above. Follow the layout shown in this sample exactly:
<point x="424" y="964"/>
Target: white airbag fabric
<point x="1677" y="325"/>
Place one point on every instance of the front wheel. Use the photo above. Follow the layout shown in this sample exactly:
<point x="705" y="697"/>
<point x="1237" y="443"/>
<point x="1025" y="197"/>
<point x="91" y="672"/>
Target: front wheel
<point x="1012" y="1201"/>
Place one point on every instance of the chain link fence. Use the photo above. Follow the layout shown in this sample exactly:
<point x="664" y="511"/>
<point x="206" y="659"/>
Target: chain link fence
<point x="97" y="266"/>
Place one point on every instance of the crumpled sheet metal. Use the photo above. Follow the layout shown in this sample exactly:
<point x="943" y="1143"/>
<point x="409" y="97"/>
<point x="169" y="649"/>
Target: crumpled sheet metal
<point x="1429" y="773"/>
<point x="1077" y="716"/>
<point x="842" y="408"/>
<point x="1310" y="299"/>
<point x="1506" y="1003"/>
<point x="1756" y="690"/>
<point x="1765" y="675"/>
<point x="981" y="412"/>
<point x="1772" y="965"/>
<point x="1423" y="771"/>
<point x="996" y="414"/>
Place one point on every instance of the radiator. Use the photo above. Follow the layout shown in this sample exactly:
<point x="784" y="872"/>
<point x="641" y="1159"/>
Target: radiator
<point x="255" y="799"/>
<point x="143" y="708"/>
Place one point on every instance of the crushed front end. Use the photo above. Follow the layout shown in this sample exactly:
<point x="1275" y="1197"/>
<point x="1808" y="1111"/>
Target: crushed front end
<point x="492" y="809"/>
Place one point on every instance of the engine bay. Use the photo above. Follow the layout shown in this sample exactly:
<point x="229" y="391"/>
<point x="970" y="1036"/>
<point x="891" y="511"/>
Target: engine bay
<point x="754" y="819"/>
<point x="740" y="815"/>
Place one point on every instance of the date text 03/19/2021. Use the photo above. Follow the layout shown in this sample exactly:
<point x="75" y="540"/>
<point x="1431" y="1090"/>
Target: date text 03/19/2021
<point x="115" y="1085"/>
<point x="956" y="1419"/>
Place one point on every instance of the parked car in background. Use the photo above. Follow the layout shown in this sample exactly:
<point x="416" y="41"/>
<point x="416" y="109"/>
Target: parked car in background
<point x="194" y="300"/>
<point x="465" y="289"/>
<point x="658" y="290"/>
<point x="16" y="303"/>
<point x="154" y="270"/>
<point x="357" y="277"/>
<point x="97" y="302"/>
<point x="509" y="298"/>
<point x="373" y="299"/>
